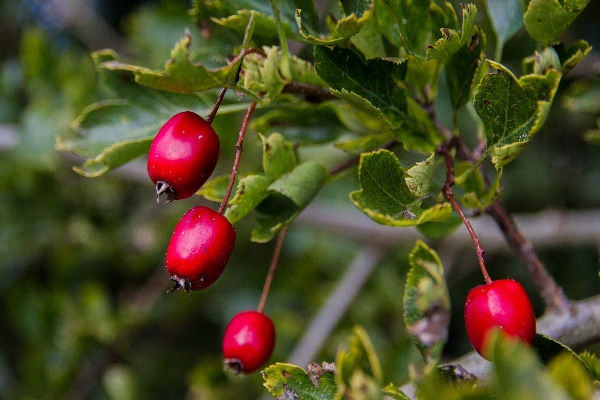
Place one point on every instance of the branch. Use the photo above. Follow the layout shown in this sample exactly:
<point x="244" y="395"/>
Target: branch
<point x="553" y="295"/>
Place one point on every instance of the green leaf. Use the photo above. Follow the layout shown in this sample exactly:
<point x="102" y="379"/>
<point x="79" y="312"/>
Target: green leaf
<point x="302" y="123"/>
<point x="361" y="357"/>
<point x="546" y="20"/>
<point x="278" y="155"/>
<point x="345" y="28"/>
<point x="419" y="132"/>
<point x="540" y="63"/>
<point x="571" y="56"/>
<point x="180" y="74"/>
<point x="512" y="110"/>
<point x="287" y="197"/>
<point x="547" y="348"/>
<point x="262" y="76"/>
<point x="463" y="66"/>
<point x="385" y="196"/>
<point x="287" y="381"/>
<point x="215" y="189"/>
<point x="251" y="191"/>
<point x="507" y="19"/>
<point x="424" y="76"/>
<point x="405" y="23"/>
<point x="440" y="230"/>
<point x="572" y="375"/>
<point x="451" y="382"/>
<point x="451" y="40"/>
<point x="517" y="373"/>
<point x="364" y="143"/>
<point x="418" y="178"/>
<point x="592" y="363"/>
<point x="426" y="303"/>
<point x="369" y="40"/>
<point x="394" y="392"/>
<point x="371" y="85"/>
<point x="113" y="132"/>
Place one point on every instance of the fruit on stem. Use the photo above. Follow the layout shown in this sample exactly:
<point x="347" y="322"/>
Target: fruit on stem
<point x="199" y="248"/>
<point x="248" y="341"/>
<point x="182" y="156"/>
<point x="502" y="304"/>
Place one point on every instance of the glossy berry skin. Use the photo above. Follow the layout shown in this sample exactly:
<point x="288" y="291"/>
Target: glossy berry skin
<point x="248" y="341"/>
<point x="504" y="304"/>
<point x="182" y="156"/>
<point x="199" y="248"/>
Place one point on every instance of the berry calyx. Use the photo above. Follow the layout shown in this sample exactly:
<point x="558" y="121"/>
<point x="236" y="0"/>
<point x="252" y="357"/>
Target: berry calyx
<point x="248" y="341"/>
<point x="502" y="304"/>
<point x="182" y="156"/>
<point x="199" y="248"/>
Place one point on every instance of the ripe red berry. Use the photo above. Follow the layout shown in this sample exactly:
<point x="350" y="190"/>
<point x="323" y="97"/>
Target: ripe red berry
<point x="199" y="248"/>
<point x="182" y="156"/>
<point x="248" y="341"/>
<point x="503" y="304"/>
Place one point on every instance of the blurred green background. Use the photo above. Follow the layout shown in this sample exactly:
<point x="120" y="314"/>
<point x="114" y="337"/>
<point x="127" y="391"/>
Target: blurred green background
<point x="85" y="314"/>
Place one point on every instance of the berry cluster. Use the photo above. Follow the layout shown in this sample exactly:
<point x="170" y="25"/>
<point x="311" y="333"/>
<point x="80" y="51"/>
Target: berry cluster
<point x="182" y="157"/>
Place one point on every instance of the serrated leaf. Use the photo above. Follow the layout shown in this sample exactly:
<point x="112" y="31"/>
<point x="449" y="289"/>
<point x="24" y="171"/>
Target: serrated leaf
<point x="451" y="40"/>
<point x="512" y="110"/>
<point x="463" y="66"/>
<point x="547" y="348"/>
<point x="278" y="155"/>
<point x="573" y="55"/>
<point x="546" y="20"/>
<point x="507" y="19"/>
<point x="385" y="196"/>
<point x="374" y="86"/>
<point x="345" y="28"/>
<point x="113" y="132"/>
<point x="180" y="74"/>
<point x="592" y="363"/>
<point x="262" y="75"/>
<point x="405" y="23"/>
<point x="572" y="375"/>
<point x="517" y="373"/>
<point x="287" y="381"/>
<point x="251" y="191"/>
<point x="418" y="177"/>
<point x="369" y="40"/>
<point x="359" y="356"/>
<point x="426" y="302"/>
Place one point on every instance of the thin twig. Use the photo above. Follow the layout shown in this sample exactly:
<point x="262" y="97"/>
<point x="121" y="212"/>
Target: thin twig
<point x="238" y="155"/>
<point x="448" y="194"/>
<point x="272" y="268"/>
<point x="213" y="112"/>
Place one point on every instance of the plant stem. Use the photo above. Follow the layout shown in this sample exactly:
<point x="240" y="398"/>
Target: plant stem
<point x="212" y="114"/>
<point x="553" y="295"/>
<point x="238" y="155"/>
<point x="448" y="194"/>
<point x="272" y="268"/>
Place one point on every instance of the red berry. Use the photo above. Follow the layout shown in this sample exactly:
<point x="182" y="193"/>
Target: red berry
<point x="248" y="341"/>
<point x="199" y="248"/>
<point x="182" y="156"/>
<point x="503" y="304"/>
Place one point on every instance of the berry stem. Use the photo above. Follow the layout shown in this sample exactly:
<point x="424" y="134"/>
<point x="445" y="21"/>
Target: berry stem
<point x="449" y="195"/>
<point x="213" y="113"/>
<point x="272" y="268"/>
<point x="238" y="155"/>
